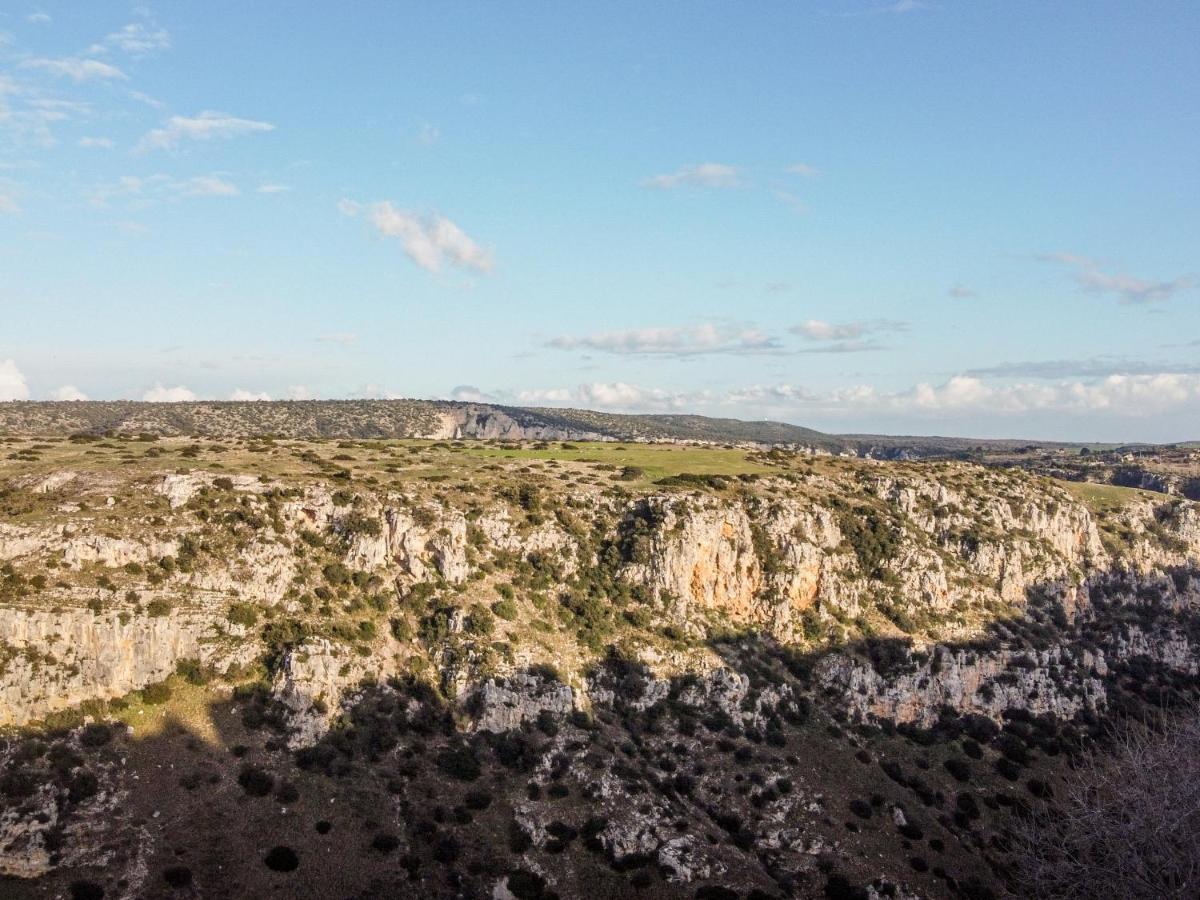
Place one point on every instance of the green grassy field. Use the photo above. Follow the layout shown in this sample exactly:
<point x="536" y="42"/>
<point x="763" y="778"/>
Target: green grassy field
<point x="1106" y="497"/>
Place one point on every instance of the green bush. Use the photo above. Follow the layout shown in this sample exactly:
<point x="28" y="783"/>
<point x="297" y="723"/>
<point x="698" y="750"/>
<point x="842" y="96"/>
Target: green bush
<point x="480" y="621"/>
<point x="243" y="614"/>
<point x="506" y="609"/>
<point x="156" y="694"/>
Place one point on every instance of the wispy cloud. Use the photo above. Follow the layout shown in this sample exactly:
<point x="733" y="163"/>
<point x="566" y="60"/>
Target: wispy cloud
<point x="208" y="186"/>
<point x="272" y="189"/>
<point x="76" y="68"/>
<point x="694" y="340"/>
<point x="342" y="339"/>
<point x="1091" y="367"/>
<point x="703" y="175"/>
<point x="205" y="126"/>
<point x="97" y="143"/>
<point x="962" y="292"/>
<point x="1128" y="289"/>
<point x="136" y="39"/>
<point x="466" y="393"/>
<point x="244" y="396"/>
<point x="847" y="337"/>
<point x="430" y="241"/>
<point x="146" y="190"/>
<point x="8" y="203"/>
<point x="39" y="18"/>
<point x="804" y="170"/>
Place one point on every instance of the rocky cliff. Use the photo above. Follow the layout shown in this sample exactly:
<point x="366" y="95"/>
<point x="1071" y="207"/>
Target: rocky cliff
<point x="343" y="592"/>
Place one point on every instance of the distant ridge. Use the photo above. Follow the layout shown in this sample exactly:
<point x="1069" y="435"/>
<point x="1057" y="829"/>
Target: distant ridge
<point x="447" y="419"/>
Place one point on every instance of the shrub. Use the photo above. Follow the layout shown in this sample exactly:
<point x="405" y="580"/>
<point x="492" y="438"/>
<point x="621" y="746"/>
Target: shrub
<point x="256" y="782"/>
<point x="506" y="609"/>
<point x="177" y="876"/>
<point x="94" y="735"/>
<point x="384" y="842"/>
<point x="155" y="694"/>
<point x="480" y="621"/>
<point x="282" y="859"/>
<point x="243" y="614"/>
<point x="460" y="763"/>
<point x="959" y="769"/>
<point x="336" y="574"/>
<point x="158" y="608"/>
<point x="861" y="808"/>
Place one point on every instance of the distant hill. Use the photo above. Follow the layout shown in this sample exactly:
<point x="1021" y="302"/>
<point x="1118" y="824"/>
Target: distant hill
<point x="443" y="419"/>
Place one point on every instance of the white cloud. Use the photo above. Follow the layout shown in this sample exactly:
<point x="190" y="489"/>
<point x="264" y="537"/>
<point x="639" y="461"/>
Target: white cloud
<point x="847" y="337"/>
<point x="243" y="396"/>
<point x="205" y="126"/>
<point x="299" y="392"/>
<point x="1114" y="396"/>
<point x="8" y="203"/>
<point x="802" y="169"/>
<point x="962" y="292"/>
<point x="342" y="339"/>
<point x="429" y="241"/>
<point x="1125" y="395"/>
<point x="67" y="392"/>
<point x="76" y="69"/>
<point x="147" y="99"/>
<point x="1128" y="289"/>
<point x="692" y="340"/>
<point x="12" y="382"/>
<point x="39" y="18"/>
<point x="466" y="393"/>
<point x="208" y="186"/>
<point x="136" y="39"/>
<point x="706" y="175"/>
<point x="101" y="143"/>
<point x="272" y="189"/>
<point x="160" y="394"/>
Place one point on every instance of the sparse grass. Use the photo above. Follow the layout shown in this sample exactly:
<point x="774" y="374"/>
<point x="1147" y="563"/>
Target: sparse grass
<point x="1106" y="497"/>
<point x="654" y="460"/>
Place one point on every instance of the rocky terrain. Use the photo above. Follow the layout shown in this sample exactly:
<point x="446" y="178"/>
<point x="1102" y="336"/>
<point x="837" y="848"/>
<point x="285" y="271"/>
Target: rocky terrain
<point x="239" y="665"/>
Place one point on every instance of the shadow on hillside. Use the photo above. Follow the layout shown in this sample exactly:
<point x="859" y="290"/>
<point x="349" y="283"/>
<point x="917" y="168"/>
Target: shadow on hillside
<point x="398" y="798"/>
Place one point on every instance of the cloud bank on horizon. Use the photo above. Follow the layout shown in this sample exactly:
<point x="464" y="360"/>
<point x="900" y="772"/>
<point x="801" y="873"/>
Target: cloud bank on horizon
<point x="698" y="220"/>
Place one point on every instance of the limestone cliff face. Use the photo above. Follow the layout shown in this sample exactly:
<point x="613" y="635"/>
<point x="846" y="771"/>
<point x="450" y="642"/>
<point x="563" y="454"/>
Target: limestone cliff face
<point x="890" y="550"/>
<point x="418" y="550"/>
<point x="57" y="659"/>
<point x="492" y="422"/>
<point x="505" y="704"/>
<point x="701" y="558"/>
<point x="1057" y="681"/>
<point x="313" y="681"/>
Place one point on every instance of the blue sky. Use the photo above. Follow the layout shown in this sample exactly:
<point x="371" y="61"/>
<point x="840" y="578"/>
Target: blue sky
<point x="958" y="218"/>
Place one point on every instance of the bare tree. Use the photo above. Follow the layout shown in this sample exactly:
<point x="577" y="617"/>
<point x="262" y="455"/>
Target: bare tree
<point x="1127" y="823"/>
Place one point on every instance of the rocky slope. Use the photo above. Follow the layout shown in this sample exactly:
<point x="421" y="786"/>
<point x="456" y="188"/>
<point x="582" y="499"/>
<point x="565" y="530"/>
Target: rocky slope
<point x="409" y="619"/>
